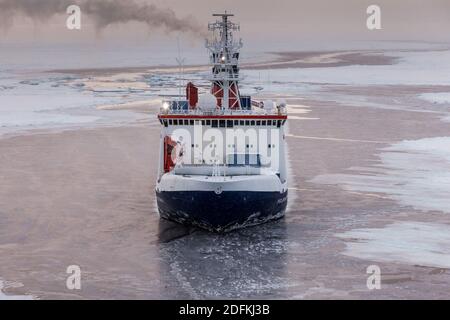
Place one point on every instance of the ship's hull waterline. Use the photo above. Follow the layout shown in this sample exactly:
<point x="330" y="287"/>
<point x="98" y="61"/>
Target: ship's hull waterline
<point x="222" y="212"/>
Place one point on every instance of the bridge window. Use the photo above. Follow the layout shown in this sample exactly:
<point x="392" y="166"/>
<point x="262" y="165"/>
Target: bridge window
<point x="243" y="159"/>
<point x="165" y="123"/>
<point x="258" y="123"/>
<point x="269" y="122"/>
<point x="253" y="122"/>
<point x="222" y="123"/>
<point x="264" y="122"/>
<point x="170" y="122"/>
<point x="214" y="124"/>
<point x="247" y="123"/>
<point x="208" y="122"/>
<point x="191" y="122"/>
<point x="236" y="122"/>
<point x="229" y="123"/>
<point x="241" y="123"/>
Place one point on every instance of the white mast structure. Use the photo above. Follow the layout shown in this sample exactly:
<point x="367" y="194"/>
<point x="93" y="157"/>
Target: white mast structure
<point x="225" y="58"/>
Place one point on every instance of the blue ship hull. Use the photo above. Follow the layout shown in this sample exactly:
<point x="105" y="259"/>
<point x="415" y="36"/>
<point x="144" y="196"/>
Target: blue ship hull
<point x="221" y="212"/>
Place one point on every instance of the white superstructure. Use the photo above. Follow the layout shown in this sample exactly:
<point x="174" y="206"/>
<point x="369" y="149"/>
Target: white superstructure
<point x="222" y="155"/>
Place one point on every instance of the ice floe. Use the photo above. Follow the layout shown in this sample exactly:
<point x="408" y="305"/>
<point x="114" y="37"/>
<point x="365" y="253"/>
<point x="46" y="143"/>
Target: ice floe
<point x="415" y="243"/>
<point x="413" y="68"/>
<point x="414" y="173"/>
<point x="3" y="296"/>
<point x="438" y="98"/>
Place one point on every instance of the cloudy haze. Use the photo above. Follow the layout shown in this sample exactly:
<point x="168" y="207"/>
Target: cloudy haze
<point x="267" y="23"/>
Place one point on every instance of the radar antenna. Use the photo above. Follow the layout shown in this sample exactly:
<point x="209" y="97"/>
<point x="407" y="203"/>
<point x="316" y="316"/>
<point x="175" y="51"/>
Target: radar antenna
<point x="225" y="61"/>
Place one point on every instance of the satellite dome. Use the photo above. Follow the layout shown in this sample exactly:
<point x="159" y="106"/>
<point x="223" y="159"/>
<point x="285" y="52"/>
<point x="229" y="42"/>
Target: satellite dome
<point x="207" y="102"/>
<point x="282" y="103"/>
<point x="269" y="105"/>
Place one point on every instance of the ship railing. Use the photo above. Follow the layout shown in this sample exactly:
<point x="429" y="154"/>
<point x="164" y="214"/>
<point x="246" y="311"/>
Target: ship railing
<point x="216" y="170"/>
<point x="224" y="76"/>
<point x="181" y="107"/>
<point x="216" y="61"/>
<point x="221" y="112"/>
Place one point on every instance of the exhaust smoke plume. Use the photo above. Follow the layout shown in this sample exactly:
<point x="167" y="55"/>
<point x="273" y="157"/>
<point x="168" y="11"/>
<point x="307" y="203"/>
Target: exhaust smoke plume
<point x="102" y="12"/>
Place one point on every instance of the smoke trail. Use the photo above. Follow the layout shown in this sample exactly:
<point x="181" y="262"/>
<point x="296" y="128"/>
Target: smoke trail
<point x="102" y="12"/>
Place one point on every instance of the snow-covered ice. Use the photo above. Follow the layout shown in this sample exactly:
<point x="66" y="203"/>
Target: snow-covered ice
<point x="413" y="68"/>
<point x="438" y="98"/>
<point x="11" y="297"/>
<point x="414" y="173"/>
<point x="414" y="243"/>
<point x="43" y="102"/>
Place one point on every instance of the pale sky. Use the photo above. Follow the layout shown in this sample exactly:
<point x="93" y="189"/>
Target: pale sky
<point x="268" y="22"/>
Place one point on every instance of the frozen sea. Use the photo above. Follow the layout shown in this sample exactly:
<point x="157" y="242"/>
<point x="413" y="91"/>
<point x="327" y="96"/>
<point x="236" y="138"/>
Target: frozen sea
<point x="279" y="257"/>
<point x="32" y="98"/>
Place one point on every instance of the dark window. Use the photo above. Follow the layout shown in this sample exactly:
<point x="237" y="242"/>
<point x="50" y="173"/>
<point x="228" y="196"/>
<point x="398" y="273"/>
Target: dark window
<point x="247" y="123"/>
<point x="279" y="123"/>
<point x="229" y="123"/>
<point x="191" y="122"/>
<point x="236" y="122"/>
<point x="242" y="122"/>
<point x="208" y="122"/>
<point x="170" y="122"/>
<point x="165" y="123"/>
<point x="269" y="122"/>
<point x="175" y="122"/>
<point x="253" y="122"/>
<point x="258" y="123"/>
<point x="203" y="122"/>
<point x="214" y="124"/>
<point x="222" y="123"/>
<point x="264" y="122"/>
